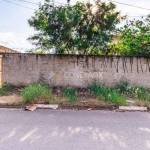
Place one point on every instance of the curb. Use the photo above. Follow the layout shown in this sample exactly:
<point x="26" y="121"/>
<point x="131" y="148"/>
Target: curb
<point x="76" y="107"/>
<point x="132" y="108"/>
<point x="12" y="106"/>
<point x="42" y="106"/>
<point x="59" y="106"/>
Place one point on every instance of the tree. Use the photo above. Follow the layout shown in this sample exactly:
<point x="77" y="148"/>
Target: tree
<point x="35" y="51"/>
<point x="83" y="28"/>
<point x="134" y="38"/>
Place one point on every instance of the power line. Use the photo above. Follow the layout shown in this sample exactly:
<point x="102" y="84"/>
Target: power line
<point x="27" y="2"/>
<point x="126" y="13"/>
<point x="129" y="5"/>
<point x="18" y="4"/>
<point x="36" y="3"/>
<point x="65" y="4"/>
<point x="61" y="3"/>
<point x="134" y="15"/>
<point x="137" y="16"/>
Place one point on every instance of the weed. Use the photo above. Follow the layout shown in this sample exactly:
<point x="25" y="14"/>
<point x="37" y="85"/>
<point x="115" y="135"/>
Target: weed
<point x="142" y="103"/>
<point x="71" y="94"/>
<point x="35" y="92"/>
<point x="97" y="90"/>
<point x="103" y="92"/>
<point x="134" y="91"/>
<point x="122" y="86"/>
<point x="115" y="98"/>
<point x="5" y="89"/>
<point x="140" y="92"/>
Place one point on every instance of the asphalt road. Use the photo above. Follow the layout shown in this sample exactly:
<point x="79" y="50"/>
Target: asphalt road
<point x="74" y="130"/>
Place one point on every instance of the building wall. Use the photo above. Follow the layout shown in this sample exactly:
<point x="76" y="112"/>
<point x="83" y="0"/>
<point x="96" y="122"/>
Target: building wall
<point x="74" y="70"/>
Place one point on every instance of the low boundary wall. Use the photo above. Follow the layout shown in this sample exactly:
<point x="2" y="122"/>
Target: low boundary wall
<point x="73" y="70"/>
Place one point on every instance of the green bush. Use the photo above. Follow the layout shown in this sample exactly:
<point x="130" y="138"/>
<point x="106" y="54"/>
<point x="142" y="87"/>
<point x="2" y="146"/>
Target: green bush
<point x="71" y="94"/>
<point x="140" y="92"/>
<point x="122" y="87"/>
<point x="134" y="91"/>
<point x="35" y="92"/>
<point x="107" y="93"/>
<point x="5" y="89"/>
<point x="100" y="89"/>
<point x="114" y="97"/>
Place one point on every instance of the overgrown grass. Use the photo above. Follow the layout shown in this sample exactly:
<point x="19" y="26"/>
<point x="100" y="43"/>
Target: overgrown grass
<point x="71" y="94"/>
<point x="5" y="89"/>
<point x="103" y="92"/>
<point x="117" y="94"/>
<point x="139" y="92"/>
<point x="35" y="92"/>
<point x="114" y="94"/>
<point x="122" y="87"/>
<point x="134" y="91"/>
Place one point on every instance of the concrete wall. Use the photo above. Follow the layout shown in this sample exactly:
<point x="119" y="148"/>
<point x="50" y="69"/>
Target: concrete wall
<point x="73" y="70"/>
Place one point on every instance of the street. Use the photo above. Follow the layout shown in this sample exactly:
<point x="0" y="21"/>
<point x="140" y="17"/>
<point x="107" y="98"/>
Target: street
<point x="74" y="130"/>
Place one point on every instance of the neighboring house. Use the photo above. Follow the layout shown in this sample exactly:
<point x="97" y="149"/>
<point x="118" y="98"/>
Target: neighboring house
<point x="116" y="39"/>
<point x="4" y="49"/>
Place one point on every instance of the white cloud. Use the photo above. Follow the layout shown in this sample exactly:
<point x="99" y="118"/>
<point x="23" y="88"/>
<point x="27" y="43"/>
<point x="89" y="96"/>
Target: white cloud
<point x="13" y="41"/>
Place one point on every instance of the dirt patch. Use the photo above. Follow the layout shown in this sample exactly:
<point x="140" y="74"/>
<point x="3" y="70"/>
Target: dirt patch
<point x="8" y="99"/>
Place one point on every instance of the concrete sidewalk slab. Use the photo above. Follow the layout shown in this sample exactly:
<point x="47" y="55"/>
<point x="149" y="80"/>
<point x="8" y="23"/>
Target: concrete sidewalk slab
<point x="133" y="108"/>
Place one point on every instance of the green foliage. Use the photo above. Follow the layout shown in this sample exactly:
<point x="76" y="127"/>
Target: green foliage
<point x="98" y="90"/>
<point x="71" y="94"/>
<point x="135" y="91"/>
<point x="5" y="89"/>
<point x="107" y="93"/>
<point x="139" y="92"/>
<point x="134" y="38"/>
<point x="117" y="94"/>
<point x="35" y="92"/>
<point x="122" y="87"/>
<point x="35" y="51"/>
<point x="75" y="29"/>
<point x="114" y="97"/>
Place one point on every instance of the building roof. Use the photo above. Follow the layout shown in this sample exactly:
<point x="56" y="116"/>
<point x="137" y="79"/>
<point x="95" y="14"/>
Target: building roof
<point x="4" y="49"/>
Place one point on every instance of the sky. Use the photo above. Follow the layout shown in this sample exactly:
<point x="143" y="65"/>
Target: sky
<point x="14" y="28"/>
